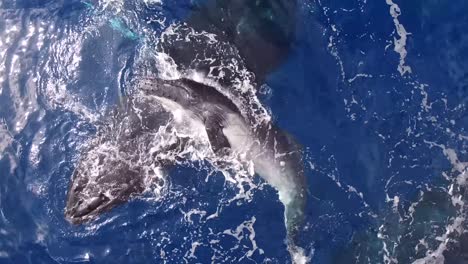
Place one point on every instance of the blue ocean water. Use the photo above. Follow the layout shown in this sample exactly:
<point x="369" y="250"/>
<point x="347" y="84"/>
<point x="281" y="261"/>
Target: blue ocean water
<point x="375" y="92"/>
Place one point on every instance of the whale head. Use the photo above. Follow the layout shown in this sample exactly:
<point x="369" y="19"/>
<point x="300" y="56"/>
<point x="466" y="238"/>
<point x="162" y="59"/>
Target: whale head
<point x="106" y="175"/>
<point x="95" y="191"/>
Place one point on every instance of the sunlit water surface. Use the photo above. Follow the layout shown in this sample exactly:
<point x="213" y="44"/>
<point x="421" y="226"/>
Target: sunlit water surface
<point x="374" y="91"/>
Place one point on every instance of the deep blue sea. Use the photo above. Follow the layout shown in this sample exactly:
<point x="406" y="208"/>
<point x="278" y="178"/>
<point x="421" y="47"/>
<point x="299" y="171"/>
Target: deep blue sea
<point x="375" y="93"/>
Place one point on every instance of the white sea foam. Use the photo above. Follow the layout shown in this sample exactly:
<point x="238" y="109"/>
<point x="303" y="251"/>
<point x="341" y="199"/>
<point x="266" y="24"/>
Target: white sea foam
<point x="152" y="2"/>
<point x="167" y="67"/>
<point x="6" y="138"/>
<point x="333" y="39"/>
<point x="240" y="232"/>
<point x="299" y="255"/>
<point x="188" y="215"/>
<point x="457" y="225"/>
<point x="111" y="5"/>
<point x="399" y="43"/>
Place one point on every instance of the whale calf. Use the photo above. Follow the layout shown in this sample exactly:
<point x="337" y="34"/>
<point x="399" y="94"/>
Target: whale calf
<point x="275" y="155"/>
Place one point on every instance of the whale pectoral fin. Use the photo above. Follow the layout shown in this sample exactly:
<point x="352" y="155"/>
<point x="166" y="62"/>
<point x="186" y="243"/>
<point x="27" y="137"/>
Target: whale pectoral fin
<point x="214" y="129"/>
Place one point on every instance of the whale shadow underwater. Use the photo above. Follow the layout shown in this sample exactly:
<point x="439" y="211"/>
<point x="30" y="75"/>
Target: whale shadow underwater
<point x="110" y="172"/>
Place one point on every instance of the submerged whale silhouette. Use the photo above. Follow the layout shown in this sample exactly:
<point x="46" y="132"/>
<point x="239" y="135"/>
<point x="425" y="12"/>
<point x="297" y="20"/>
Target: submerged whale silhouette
<point x="262" y="32"/>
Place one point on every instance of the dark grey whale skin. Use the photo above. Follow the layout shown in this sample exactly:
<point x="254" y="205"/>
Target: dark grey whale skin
<point x="123" y="129"/>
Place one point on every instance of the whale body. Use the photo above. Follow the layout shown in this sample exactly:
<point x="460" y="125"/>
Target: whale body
<point x="275" y="155"/>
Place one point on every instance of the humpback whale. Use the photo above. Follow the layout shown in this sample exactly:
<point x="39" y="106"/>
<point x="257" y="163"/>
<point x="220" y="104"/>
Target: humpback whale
<point x="103" y="180"/>
<point x="275" y="155"/>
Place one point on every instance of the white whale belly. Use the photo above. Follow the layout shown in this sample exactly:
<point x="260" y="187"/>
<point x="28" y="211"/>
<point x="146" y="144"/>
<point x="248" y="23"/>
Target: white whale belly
<point x="274" y="170"/>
